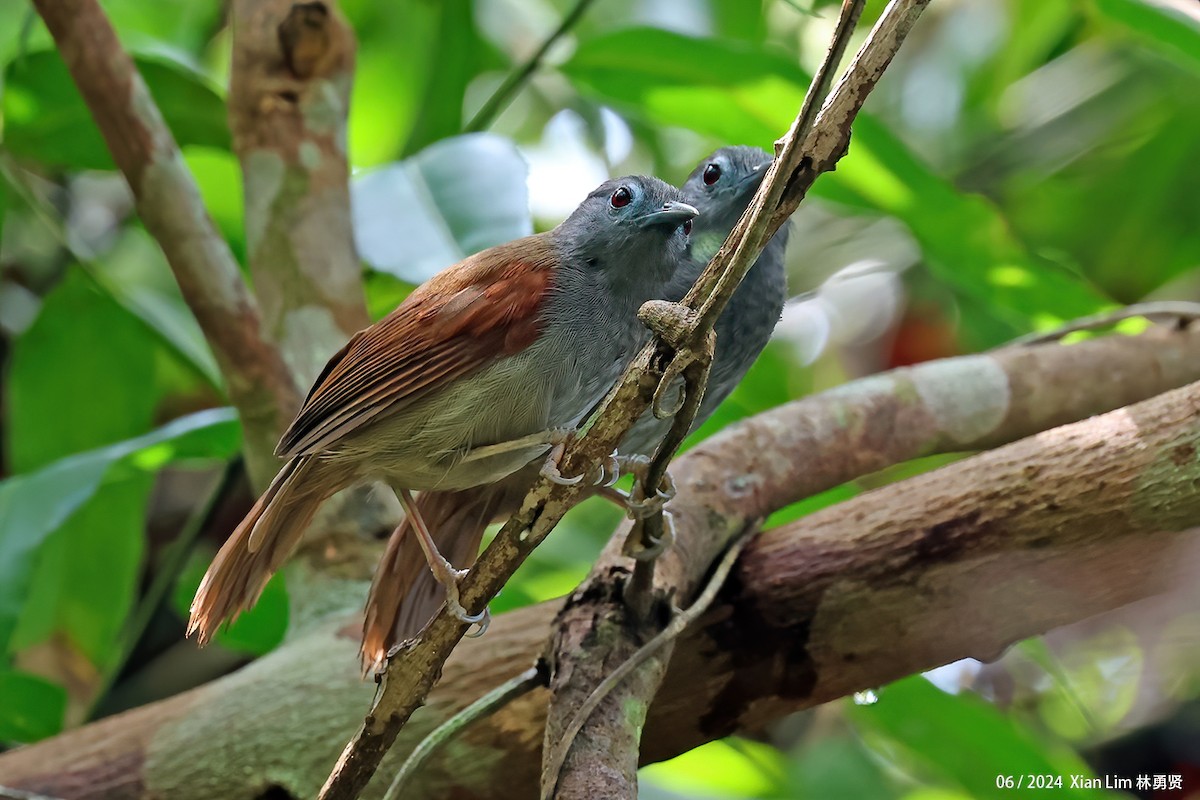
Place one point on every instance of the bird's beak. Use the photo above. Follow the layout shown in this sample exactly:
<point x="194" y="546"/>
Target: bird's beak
<point x="670" y="215"/>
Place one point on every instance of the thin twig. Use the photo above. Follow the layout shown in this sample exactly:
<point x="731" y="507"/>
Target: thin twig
<point x="720" y="280"/>
<point x="485" y="706"/>
<point x="516" y="79"/>
<point x="676" y="626"/>
<point x="412" y="672"/>
<point x="716" y="285"/>
<point x="698" y="314"/>
<point x="1182" y="310"/>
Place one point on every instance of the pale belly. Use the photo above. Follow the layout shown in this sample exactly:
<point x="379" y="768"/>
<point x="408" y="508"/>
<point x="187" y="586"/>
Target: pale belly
<point x="428" y="445"/>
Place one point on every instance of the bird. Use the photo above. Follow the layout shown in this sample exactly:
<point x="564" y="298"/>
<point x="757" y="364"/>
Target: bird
<point x="481" y="370"/>
<point x="403" y="596"/>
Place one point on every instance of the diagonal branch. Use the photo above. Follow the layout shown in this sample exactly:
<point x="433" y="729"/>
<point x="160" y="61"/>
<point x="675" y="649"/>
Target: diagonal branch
<point x="412" y="672"/>
<point x="801" y="622"/>
<point x="169" y="205"/>
<point x="593" y="745"/>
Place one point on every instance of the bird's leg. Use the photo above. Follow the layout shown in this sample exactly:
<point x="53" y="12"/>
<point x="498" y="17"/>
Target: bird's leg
<point x="557" y="438"/>
<point x="443" y="571"/>
<point x="553" y="436"/>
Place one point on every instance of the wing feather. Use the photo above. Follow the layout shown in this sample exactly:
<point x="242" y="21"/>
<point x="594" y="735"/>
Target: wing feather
<point x="486" y="307"/>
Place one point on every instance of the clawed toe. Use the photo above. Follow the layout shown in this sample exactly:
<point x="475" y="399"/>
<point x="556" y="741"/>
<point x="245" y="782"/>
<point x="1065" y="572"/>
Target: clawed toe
<point x="610" y="472"/>
<point x="641" y="507"/>
<point x="482" y="621"/>
<point x="661" y="544"/>
<point x="550" y="471"/>
<point x="455" y="607"/>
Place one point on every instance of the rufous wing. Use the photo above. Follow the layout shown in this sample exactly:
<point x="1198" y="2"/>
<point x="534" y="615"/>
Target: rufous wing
<point x="461" y="320"/>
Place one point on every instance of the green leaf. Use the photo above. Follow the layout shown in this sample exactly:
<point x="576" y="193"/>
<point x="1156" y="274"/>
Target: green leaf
<point x="724" y="768"/>
<point x="456" y="61"/>
<point x="745" y="95"/>
<point x="168" y="315"/>
<point x="396" y="65"/>
<point x="836" y="766"/>
<point x="30" y="708"/>
<point x="1172" y="30"/>
<point x="35" y="505"/>
<point x="454" y="198"/>
<point x="61" y="401"/>
<point x="96" y="554"/>
<point x="733" y="91"/>
<point x="962" y="740"/>
<point x="3" y="205"/>
<point x="46" y="119"/>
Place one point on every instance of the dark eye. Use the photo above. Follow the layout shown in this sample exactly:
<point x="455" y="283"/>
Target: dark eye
<point x="712" y="174"/>
<point x="621" y="197"/>
<point x="687" y="228"/>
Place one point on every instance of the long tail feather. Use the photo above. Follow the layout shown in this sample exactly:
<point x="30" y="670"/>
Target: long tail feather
<point x="404" y="595"/>
<point x="260" y="544"/>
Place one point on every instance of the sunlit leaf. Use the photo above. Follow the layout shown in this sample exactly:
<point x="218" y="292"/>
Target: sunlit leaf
<point x="396" y="60"/>
<point x="723" y="769"/>
<point x="836" y="766"/>
<point x="457" y="197"/>
<point x="46" y="119"/>
<point x="456" y="56"/>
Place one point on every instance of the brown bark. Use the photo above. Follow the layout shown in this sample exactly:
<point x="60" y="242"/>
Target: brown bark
<point x="959" y="562"/>
<point x="169" y="204"/>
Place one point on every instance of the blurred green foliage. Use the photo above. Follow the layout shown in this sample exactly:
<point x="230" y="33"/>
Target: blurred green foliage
<point x="1037" y="161"/>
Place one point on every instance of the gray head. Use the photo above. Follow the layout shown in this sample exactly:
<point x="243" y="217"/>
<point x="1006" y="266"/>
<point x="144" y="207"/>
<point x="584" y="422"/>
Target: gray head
<point x="633" y="228"/>
<point x="721" y="187"/>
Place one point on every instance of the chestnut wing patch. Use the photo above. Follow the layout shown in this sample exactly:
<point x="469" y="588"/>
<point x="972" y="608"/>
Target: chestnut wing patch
<point x="462" y="320"/>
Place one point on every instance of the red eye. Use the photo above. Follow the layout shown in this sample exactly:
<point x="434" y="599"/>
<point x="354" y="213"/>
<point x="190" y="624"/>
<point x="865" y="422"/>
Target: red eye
<point x="712" y="174"/>
<point x="621" y="197"/>
<point x="687" y="228"/>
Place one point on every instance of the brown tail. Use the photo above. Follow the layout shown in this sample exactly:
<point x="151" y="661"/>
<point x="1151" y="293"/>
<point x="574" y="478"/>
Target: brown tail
<point x="404" y="595"/>
<point x="260" y="544"/>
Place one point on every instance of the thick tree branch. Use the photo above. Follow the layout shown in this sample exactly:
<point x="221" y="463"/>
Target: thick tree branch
<point x="413" y="671"/>
<point x="240" y="735"/>
<point x="293" y="64"/>
<point x="169" y="204"/>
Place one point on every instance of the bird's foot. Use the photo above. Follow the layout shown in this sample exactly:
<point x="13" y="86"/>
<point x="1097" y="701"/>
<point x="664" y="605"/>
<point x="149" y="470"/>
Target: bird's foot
<point x="455" y="606"/>
<point x="657" y="544"/>
<point x="606" y="473"/>
<point x="641" y="506"/>
<point x="550" y="467"/>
